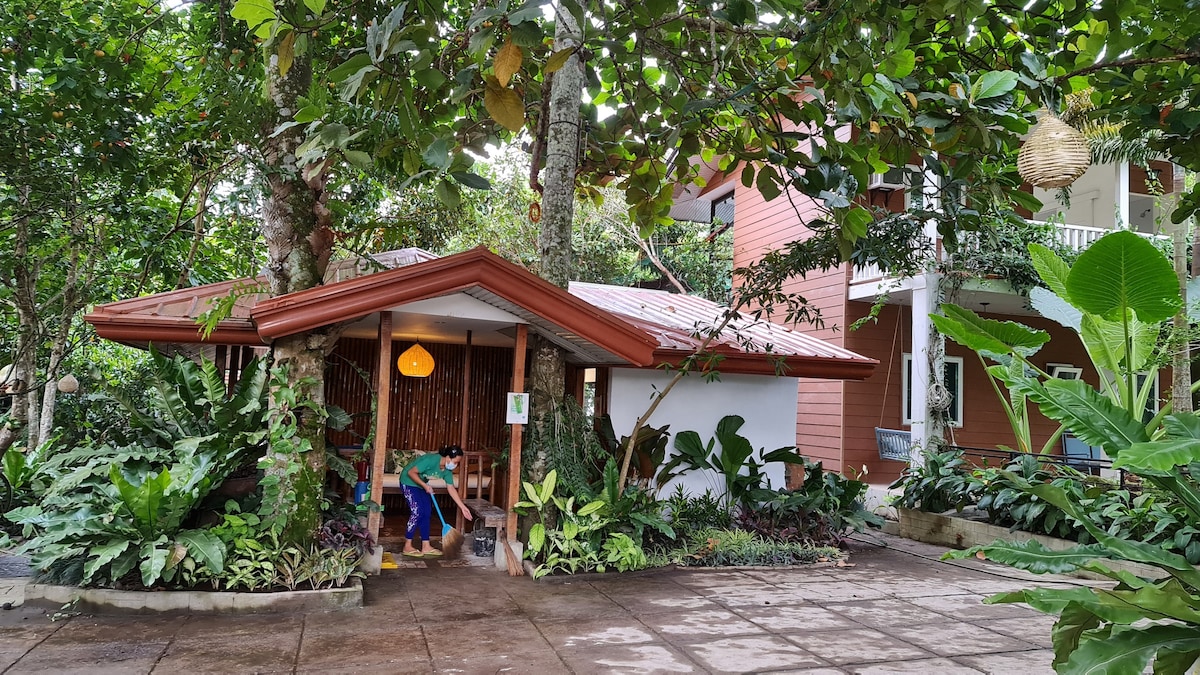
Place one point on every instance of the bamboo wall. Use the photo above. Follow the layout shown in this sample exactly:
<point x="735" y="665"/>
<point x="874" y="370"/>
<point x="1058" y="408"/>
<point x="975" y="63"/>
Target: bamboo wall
<point x="426" y="412"/>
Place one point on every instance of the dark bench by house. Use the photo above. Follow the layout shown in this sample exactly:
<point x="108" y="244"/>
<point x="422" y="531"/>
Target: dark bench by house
<point x="488" y="513"/>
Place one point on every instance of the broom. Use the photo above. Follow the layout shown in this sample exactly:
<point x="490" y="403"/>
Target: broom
<point x="452" y="539"/>
<point x="515" y="568"/>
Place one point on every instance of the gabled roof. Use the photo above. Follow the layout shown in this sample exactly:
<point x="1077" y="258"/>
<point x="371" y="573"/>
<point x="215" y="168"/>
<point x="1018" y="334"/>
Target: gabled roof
<point x="597" y="324"/>
<point x="594" y="335"/>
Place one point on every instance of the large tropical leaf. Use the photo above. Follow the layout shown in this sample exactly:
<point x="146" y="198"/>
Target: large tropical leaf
<point x="1035" y="557"/>
<point x="1136" y="551"/>
<point x="1085" y="412"/>
<point x="205" y="547"/>
<point x="1106" y="346"/>
<point x="1165" y="600"/>
<point x="1072" y="623"/>
<point x="1160" y="455"/>
<point x="988" y="335"/>
<point x="1122" y="271"/>
<point x="154" y="560"/>
<point x="735" y="448"/>
<point x="1128" y="650"/>
<point x="1052" y="269"/>
<point x="143" y="501"/>
<point x="1054" y="307"/>
<point x="103" y="554"/>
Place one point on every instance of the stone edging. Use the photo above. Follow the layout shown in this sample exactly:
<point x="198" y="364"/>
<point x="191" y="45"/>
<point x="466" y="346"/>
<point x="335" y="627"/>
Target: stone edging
<point x="936" y="528"/>
<point x="109" y="601"/>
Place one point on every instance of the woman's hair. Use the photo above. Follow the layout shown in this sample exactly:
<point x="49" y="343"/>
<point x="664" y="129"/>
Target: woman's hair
<point x="451" y="451"/>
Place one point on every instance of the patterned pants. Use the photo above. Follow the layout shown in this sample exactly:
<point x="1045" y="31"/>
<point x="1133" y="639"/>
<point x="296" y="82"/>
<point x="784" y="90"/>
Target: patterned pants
<point x="419" y="511"/>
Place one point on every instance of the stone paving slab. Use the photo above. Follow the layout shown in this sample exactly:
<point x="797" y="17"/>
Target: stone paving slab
<point x="895" y="609"/>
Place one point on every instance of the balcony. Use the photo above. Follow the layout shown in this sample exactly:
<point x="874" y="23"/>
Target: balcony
<point x="871" y="282"/>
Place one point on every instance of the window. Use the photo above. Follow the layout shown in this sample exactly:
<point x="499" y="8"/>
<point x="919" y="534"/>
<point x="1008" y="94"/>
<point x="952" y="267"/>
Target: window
<point x="1064" y="371"/>
<point x="952" y="378"/>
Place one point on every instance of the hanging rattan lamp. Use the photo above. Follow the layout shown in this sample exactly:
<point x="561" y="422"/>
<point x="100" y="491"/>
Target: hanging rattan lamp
<point x="1054" y="155"/>
<point x="415" y="362"/>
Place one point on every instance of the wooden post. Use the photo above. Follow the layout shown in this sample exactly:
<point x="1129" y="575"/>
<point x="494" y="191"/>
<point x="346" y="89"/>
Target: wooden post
<point x="462" y="434"/>
<point x="382" y="419"/>
<point x="514" y="445"/>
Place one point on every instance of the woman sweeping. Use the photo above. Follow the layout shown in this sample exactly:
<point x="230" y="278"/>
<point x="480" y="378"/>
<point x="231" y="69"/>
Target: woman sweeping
<point x="414" y="480"/>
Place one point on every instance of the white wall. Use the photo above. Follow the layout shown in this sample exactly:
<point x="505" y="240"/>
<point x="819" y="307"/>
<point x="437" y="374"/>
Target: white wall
<point x="1093" y="199"/>
<point x="766" y="402"/>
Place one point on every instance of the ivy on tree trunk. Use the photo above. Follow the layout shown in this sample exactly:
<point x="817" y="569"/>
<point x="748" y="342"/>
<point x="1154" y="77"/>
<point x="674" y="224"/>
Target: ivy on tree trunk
<point x="547" y="371"/>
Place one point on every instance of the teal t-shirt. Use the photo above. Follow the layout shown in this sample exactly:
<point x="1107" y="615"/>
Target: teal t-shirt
<point x="428" y="466"/>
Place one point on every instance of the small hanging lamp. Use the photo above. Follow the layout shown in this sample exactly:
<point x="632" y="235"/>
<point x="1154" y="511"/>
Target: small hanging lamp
<point x="1054" y="155"/>
<point x="415" y="362"/>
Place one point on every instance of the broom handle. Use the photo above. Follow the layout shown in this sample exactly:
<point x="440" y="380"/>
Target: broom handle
<point x="439" y="512"/>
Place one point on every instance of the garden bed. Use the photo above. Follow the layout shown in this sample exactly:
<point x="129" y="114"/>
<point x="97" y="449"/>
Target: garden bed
<point x="959" y="532"/>
<point x="109" y="601"/>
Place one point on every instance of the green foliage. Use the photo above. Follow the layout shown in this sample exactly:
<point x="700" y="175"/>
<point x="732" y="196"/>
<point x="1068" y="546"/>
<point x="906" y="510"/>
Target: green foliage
<point x="125" y="507"/>
<point x="566" y="438"/>
<point x="734" y="456"/>
<point x="821" y="512"/>
<point x="1123" y="291"/>
<point x="941" y="483"/>
<point x="1001" y="249"/>
<point x="607" y="531"/>
<point x="697" y="512"/>
<point x="720" y="548"/>
<point x="649" y="450"/>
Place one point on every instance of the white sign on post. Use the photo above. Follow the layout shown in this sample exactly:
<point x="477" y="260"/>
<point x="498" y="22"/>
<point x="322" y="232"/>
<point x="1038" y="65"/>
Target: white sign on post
<point x="518" y="408"/>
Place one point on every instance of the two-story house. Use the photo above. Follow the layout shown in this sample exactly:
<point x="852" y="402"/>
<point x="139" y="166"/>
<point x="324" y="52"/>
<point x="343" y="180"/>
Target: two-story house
<point x="836" y="420"/>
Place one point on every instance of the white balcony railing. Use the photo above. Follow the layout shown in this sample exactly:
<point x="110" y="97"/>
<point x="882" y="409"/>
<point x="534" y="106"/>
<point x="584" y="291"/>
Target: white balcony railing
<point x="1076" y="237"/>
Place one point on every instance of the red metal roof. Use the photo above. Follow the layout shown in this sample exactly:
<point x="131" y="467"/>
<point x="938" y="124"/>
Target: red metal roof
<point x="679" y="323"/>
<point x="599" y="324"/>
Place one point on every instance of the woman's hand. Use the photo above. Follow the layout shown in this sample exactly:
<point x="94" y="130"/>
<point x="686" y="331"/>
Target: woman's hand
<point x="429" y="488"/>
<point x="466" y="512"/>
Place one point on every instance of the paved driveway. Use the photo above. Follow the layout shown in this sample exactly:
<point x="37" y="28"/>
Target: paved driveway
<point x="896" y="610"/>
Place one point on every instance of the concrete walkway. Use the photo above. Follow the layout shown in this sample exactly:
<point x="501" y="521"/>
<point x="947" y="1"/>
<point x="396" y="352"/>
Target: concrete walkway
<point x="896" y="610"/>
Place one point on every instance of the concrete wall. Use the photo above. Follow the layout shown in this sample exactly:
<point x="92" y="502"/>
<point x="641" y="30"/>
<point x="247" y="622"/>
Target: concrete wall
<point x="767" y="403"/>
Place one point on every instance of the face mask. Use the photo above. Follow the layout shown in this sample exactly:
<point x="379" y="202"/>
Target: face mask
<point x="451" y="465"/>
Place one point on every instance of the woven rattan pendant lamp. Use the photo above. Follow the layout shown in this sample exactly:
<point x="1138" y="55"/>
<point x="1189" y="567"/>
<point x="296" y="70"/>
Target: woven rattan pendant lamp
<point x="1054" y="155"/>
<point x="415" y="362"/>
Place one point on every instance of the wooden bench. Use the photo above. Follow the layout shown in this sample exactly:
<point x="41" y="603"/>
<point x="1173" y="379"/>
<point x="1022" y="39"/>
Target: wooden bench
<point x="488" y="513"/>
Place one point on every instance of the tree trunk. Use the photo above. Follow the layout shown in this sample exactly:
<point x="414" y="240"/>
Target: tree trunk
<point x="295" y="225"/>
<point x="547" y="372"/>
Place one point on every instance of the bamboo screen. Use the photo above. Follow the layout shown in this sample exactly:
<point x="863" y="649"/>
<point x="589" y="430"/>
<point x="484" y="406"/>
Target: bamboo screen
<point x="426" y="411"/>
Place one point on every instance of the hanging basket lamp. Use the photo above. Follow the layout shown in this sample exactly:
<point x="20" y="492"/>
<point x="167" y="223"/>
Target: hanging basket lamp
<point x="69" y="384"/>
<point x="1054" y="155"/>
<point x="415" y="362"/>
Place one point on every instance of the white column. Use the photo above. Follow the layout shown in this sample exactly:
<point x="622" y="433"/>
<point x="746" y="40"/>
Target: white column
<point x="925" y="298"/>
<point x="1123" y="220"/>
<point x="919" y="380"/>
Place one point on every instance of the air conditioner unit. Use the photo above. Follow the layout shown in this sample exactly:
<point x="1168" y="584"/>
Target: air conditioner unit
<point x="892" y="180"/>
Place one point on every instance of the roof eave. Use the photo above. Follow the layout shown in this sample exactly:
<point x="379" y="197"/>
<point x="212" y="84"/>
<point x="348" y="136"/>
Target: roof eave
<point x="142" y="329"/>
<point x="815" y="367"/>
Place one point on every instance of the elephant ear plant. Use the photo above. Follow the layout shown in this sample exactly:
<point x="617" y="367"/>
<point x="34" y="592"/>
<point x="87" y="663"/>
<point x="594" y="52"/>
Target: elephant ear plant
<point x="1120" y="292"/>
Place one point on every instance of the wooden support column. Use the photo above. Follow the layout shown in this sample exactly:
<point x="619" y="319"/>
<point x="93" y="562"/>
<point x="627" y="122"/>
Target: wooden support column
<point x="514" y="444"/>
<point x="383" y="408"/>
<point x="462" y="434"/>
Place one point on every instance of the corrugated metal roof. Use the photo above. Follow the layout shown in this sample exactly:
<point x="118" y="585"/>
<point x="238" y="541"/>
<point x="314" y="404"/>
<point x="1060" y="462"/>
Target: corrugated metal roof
<point x="675" y="320"/>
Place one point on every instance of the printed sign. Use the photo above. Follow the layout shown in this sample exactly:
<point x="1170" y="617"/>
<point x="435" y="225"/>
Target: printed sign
<point x="518" y="408"/>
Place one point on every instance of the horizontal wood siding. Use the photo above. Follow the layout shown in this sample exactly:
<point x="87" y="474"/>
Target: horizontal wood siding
<point x="426" y="413"/>
<point x="876" y="401"/>
<point x="759" y="227"/>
